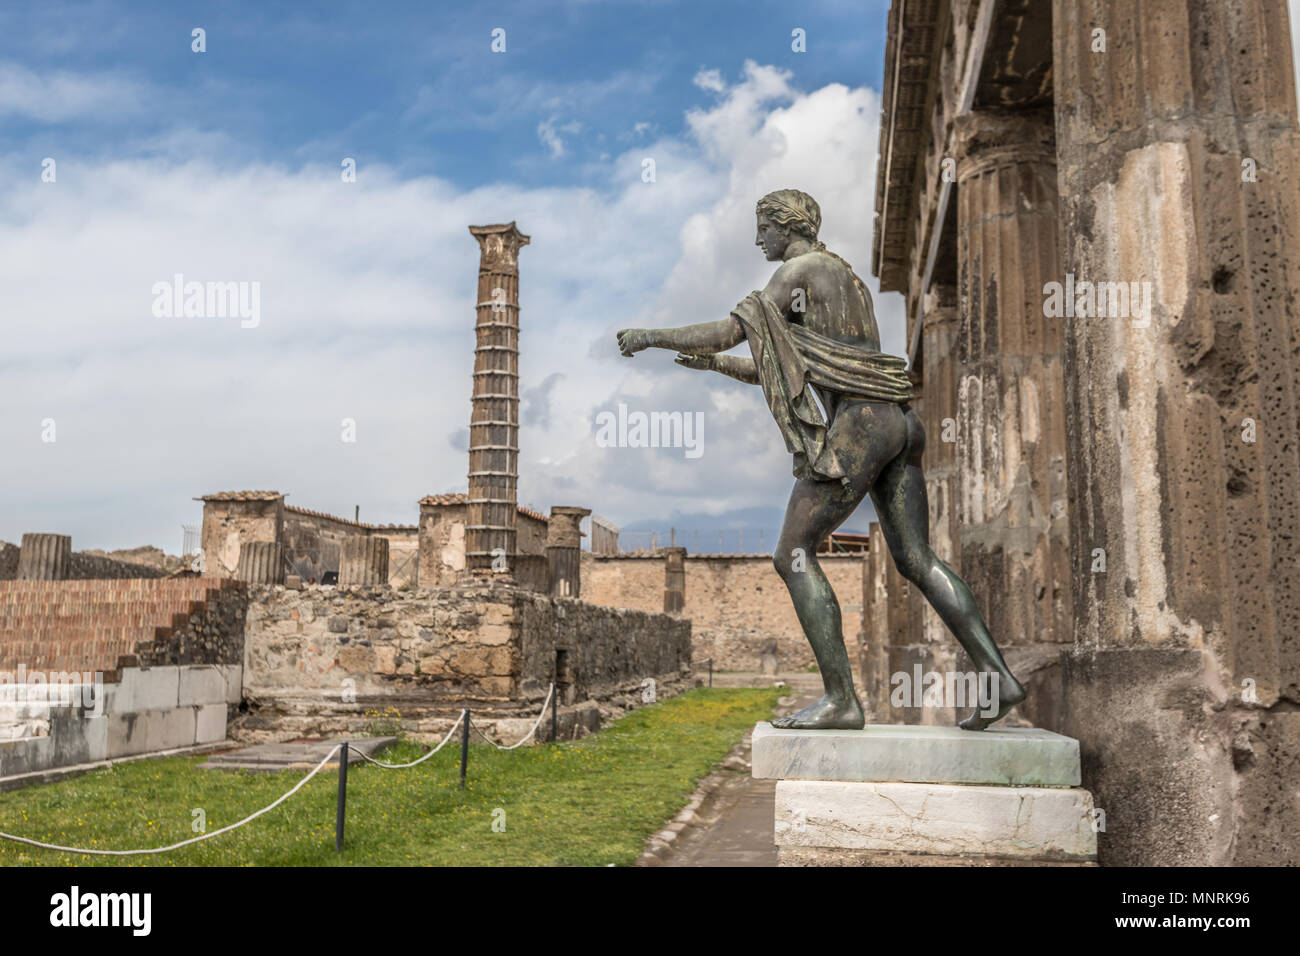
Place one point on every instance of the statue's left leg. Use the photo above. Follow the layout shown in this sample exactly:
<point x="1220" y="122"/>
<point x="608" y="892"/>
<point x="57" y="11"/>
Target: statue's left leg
<point x="865" y="435"/>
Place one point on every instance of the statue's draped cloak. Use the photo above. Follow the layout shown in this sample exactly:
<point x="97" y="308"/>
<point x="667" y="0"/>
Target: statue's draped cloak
<point x="790" y="358"/>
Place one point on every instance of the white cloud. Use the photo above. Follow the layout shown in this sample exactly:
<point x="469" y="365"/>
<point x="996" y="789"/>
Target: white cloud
<point x="710" y="80"/>
<point x="56" y="96"/>
<point x="367" y="313"/>
<point x="549" y="132"/>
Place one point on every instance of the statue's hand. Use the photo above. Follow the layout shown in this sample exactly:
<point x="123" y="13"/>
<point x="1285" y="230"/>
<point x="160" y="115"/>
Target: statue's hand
<point x="703" y="363"/>
<point x="631" y="341"/>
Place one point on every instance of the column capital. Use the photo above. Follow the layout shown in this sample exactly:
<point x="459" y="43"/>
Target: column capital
<point x="499" y="247"/>
<point x="990" y="138"/>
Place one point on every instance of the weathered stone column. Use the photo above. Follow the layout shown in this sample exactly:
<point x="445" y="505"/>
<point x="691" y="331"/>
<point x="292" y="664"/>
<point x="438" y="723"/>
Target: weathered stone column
<point x="873" y="650"/>
<point x="364" y="561"/>
<point x="926" y="641"/>
<point x="939" y="414"/>
<point x="494" y="420"/>
<point x="564" y="550"/>
<point x="1010" y="452"/>
<point x="45" y="557"/>
<point x="901" y="652"/>
<point x="1178" y="157"/>
<point x="261" y="562"/>
<point x="674" y="580"/>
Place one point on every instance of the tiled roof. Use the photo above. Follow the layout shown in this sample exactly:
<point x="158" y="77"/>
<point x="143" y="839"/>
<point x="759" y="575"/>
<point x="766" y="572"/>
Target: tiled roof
<point x="356" y="524"/>
<point x="241" y="496"/>
<point x="451" y="499"/>
<point x="460" y="498"/>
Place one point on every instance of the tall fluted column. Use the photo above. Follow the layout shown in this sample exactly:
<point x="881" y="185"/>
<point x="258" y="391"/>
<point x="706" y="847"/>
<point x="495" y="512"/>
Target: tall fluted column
<point x="564" y="550"/>
<point x="494" y="421"/>
<point x="261" y="562"/>
<point x="1178" y="156"/>
<point x="928" y="644"/>
<point x="45" y="557"/>
<point x="674" y="580"/>
<point x="364" y="561"/>
<point x="873" y="646"/>
<point x="1011" y="451"/>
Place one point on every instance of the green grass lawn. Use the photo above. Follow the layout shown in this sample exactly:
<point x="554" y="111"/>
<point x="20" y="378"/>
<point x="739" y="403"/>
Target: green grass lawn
<point x="591" y="802"/>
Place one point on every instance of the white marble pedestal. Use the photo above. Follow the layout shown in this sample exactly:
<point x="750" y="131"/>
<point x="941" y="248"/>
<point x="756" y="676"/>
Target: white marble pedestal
<point x="891" y="795"/>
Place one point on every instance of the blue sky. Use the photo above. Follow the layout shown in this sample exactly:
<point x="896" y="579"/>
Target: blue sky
<point x="224" y="166"/>
<point x="414" y="85"/>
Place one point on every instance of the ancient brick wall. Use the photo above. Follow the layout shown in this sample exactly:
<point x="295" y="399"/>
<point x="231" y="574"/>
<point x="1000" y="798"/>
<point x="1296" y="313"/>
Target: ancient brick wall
<point x="738" y="605"/>
<point x="104" y="625"/>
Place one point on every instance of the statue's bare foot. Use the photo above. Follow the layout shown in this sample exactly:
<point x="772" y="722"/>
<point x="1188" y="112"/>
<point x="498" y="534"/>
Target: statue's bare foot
<point x="826" y="714"/>
<point x="1010" y="693"/>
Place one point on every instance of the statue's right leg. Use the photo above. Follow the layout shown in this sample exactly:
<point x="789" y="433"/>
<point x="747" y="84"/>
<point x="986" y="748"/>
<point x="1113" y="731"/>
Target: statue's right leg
<point x="865" y="436"/>
<point x="900" y="500"/>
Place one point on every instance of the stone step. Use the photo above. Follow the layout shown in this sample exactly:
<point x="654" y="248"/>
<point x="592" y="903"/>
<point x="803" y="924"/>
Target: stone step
<point x="293" y="755"/>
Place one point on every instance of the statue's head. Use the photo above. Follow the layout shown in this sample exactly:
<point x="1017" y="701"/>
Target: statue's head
<point x="784" y="216"/>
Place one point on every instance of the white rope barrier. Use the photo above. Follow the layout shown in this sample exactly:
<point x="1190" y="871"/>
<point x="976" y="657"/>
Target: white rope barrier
<point x="402" y="766"/>
<point x="527" y="735"/>
<point x="298" y="786"/>
<point x="175" y="846"/>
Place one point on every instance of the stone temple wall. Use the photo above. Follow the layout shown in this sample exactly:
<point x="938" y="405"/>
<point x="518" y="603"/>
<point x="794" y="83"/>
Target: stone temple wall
<point x="330" y="660"/>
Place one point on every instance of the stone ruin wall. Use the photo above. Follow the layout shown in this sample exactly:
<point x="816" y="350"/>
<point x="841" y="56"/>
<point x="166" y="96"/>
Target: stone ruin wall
<point x="428" y="652"/>
<point x="227" y="525"/>
<point x="311" y="541"/>
<point x="738" y="605"/>
<point x="81" y="566"/>
<point x="441" y="543"/>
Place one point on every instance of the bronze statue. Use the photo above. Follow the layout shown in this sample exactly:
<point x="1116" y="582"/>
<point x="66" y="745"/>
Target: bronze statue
<point x="812" y="331"/>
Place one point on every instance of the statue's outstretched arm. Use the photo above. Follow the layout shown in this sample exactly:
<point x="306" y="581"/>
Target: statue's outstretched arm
<point x="703" y="339"/>
<point x="739" y="367"/>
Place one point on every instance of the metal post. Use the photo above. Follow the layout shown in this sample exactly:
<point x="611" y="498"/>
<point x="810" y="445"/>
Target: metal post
<point x="555" y="723"/>
<point x="464" y="748"/>
<point x="343" y="797"/>
<point x="710" y="671"/>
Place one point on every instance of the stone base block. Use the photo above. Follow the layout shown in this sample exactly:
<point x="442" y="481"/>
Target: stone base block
<point x="148" y="688"/>
<point x="210" y="723"/>
<point x="911" y="753"/>
<point x="1024" y="823"/>
<point x="202" y="684"/>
